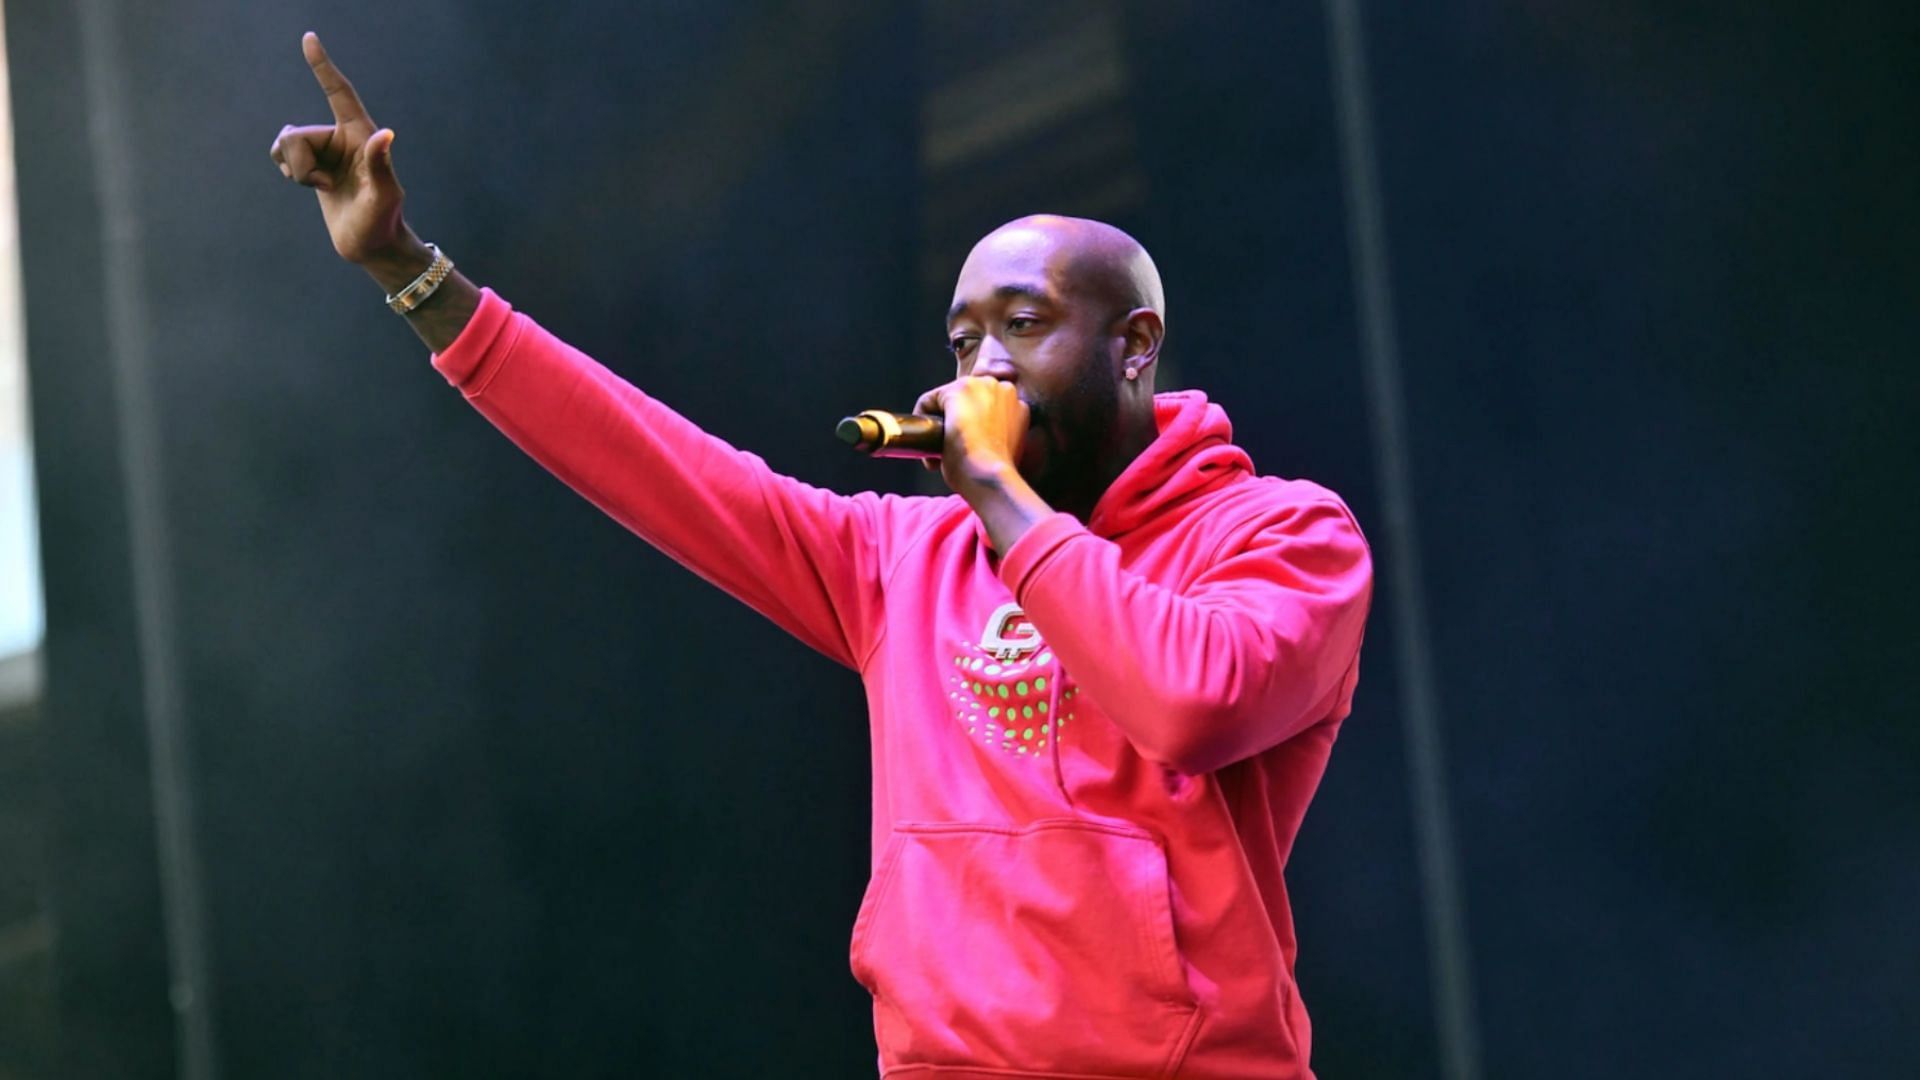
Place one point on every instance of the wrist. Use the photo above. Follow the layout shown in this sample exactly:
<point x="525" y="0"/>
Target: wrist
<point x="395" y="266"/>
<point x="990" y="474"/>
<point x="1003" y="501"/>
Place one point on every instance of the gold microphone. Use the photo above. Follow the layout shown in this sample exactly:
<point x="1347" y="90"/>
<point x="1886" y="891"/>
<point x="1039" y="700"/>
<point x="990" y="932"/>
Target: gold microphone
<point x="877" y="433"/>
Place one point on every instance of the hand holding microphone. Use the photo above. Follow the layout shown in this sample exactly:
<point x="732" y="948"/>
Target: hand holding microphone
<point x="971" y="429"/>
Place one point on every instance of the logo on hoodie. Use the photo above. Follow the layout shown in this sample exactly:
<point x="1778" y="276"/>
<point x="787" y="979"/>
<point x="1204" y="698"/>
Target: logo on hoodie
<point x="1009" y="635"/>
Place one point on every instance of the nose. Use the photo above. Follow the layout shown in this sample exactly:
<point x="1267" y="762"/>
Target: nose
<point x="992" y="360"/>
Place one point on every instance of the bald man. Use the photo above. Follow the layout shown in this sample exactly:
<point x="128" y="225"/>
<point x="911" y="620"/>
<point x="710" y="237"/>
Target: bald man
<point x="1103" y="676"/>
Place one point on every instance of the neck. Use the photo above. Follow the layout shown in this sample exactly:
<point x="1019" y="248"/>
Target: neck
<point x="1134" y="435"/>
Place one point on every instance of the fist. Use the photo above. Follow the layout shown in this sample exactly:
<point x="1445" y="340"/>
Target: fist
<point x="985" y="424"/>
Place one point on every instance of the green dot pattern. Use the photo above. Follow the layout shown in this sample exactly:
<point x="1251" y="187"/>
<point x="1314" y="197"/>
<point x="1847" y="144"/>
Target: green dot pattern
<point x="1028" y="696"/>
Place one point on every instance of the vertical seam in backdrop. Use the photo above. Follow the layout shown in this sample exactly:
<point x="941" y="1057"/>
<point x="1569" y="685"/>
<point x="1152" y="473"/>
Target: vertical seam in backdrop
<point x="150" y="550"/>
<point x="1451" y="975"/>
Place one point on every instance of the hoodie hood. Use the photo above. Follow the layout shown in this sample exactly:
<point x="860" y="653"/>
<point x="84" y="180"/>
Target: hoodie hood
<point x="1193" y="455"/>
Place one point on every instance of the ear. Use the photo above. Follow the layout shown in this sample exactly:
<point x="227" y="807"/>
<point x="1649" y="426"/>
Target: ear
<point x="1144" y="332"/>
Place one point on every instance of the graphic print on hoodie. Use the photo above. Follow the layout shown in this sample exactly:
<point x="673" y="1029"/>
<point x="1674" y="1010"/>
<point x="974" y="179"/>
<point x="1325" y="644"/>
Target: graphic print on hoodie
<point x="1091" y="753"/>
<point x="1000" y="685"/>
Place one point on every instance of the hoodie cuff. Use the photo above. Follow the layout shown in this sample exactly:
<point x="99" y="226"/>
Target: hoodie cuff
<point x="1035" y="550"/>
<point x="469" y="363"/>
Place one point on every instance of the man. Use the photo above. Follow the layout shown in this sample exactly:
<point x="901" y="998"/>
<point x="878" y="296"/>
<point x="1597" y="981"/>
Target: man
<point x="1103" y="677"/>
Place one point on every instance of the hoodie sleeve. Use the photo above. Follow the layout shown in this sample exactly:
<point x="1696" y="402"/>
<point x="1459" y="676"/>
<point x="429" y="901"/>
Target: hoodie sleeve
<point x="1259" y="647"/>
<point x="806" y="558"/>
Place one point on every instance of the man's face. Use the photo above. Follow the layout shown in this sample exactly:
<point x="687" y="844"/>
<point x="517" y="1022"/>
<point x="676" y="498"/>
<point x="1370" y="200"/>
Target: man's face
<point x="1017" y="316"/>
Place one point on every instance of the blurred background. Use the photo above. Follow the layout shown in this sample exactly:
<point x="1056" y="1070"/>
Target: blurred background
<point x="337" y="739"/>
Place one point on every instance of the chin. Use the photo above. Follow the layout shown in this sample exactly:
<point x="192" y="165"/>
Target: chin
<point x="1032" y="465"/>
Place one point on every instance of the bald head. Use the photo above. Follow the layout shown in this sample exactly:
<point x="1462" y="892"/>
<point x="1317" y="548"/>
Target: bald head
<point x="1091" y="259"/>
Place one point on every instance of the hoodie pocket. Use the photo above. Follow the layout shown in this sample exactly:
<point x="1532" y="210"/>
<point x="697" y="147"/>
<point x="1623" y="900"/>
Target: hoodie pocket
<point x="1045" y="948"/>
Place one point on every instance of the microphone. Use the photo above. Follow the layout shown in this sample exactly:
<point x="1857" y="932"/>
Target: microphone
<point x="893" y="435"/>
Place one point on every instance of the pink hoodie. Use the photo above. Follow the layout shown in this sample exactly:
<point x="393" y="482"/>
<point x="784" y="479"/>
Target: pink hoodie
<point x="1090" y="757"/>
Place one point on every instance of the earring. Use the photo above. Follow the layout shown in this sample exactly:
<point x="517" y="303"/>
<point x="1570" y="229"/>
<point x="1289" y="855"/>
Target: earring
<point x="1133" y="373"/>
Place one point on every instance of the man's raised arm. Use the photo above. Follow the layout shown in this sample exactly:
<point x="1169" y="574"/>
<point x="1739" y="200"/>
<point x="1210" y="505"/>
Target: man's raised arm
<point x="809" y="559"/>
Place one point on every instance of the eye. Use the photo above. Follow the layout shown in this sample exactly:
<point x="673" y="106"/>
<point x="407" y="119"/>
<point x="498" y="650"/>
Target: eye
<point x="961" y="344"/>
<point x="1021" y="323"/>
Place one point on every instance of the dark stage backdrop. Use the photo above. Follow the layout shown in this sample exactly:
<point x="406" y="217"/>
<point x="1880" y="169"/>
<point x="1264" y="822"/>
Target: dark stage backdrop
<point x="478" y="784"/>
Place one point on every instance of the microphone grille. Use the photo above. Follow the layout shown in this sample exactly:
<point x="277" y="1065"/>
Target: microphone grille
<point x="859" y="432"/>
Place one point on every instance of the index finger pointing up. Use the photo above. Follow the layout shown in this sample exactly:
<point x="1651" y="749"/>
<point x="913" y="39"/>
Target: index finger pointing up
<point x="340" y="95"/>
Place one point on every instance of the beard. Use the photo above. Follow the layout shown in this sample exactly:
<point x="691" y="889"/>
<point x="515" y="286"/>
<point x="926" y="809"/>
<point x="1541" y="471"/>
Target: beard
<point x="1074" y="430"/>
